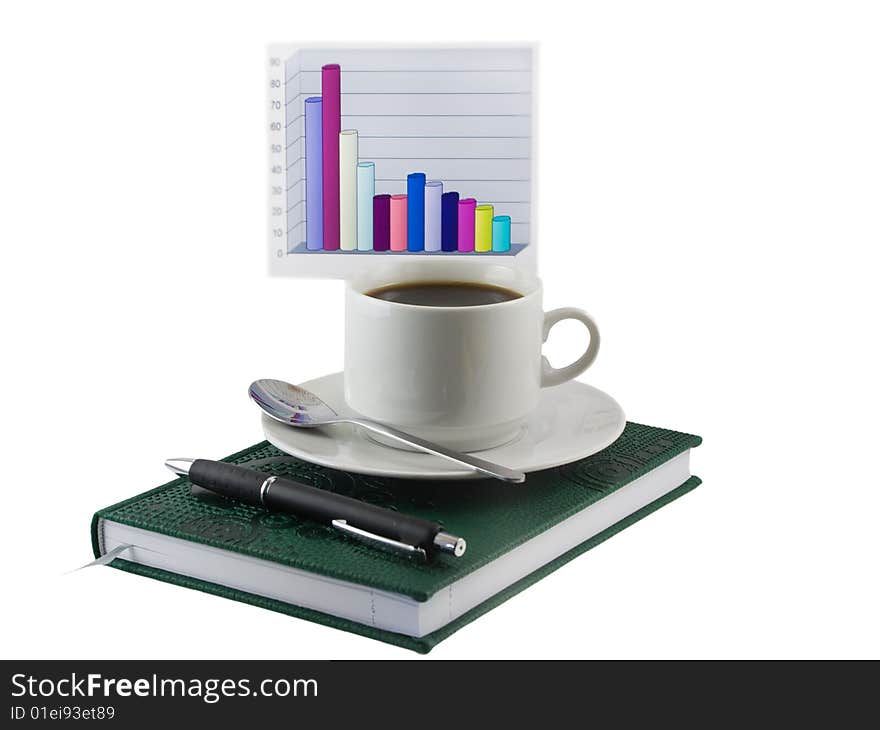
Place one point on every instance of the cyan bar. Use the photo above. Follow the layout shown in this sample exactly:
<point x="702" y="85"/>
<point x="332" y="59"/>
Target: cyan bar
<point x="433" y="224"/>
<point x="366" y="184"/>
<point x="415" y="211"/>
<point x="314" y="178"/>
<point x="381" y="222"/>
<point x="501" y="233"/>
<point x="449" y="221"/>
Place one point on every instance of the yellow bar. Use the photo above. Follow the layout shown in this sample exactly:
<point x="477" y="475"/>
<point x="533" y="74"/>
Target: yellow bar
<point x="483" y="228"/>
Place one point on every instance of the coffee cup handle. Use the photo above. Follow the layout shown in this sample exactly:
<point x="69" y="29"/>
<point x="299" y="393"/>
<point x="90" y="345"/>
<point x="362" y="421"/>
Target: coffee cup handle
<point x="554" y="376"/>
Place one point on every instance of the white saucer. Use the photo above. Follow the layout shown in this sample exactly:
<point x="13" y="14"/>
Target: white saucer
<point x="572" y="421"/>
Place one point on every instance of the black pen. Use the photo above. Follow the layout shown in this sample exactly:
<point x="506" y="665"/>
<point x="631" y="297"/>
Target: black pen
<point x="376" y="525"/>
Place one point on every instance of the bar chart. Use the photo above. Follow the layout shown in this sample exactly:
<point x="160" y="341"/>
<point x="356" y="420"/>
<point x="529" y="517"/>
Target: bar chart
<point x="393" y="151"/>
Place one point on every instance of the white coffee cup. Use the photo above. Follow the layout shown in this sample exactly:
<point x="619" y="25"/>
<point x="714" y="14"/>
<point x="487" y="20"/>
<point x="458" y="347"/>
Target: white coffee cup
<point x="465" y="377"/>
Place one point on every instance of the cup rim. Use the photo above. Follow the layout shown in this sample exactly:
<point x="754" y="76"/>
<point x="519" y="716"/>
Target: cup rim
<point x="362" y="285"/>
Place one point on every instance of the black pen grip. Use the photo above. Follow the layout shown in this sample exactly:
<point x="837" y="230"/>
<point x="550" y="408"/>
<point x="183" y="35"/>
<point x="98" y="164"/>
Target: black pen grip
<point x="304" y="500"/>
<point x="286" y="495"/>
<point x="229" y="480"/>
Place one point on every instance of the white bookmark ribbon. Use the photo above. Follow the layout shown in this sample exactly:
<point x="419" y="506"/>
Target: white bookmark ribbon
<point x="108" y="557"/>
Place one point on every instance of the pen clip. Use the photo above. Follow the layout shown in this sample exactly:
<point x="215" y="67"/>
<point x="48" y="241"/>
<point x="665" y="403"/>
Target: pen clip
<point x="379" y="540"/>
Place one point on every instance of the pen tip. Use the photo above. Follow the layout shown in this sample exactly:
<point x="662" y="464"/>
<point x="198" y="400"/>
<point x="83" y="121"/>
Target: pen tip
<point x="179" y="466"/>
<point x="447" y="543"/>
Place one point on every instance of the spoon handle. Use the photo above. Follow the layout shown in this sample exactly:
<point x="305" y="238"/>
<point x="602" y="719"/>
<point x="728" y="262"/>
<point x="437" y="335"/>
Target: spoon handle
<point x="481" y="465"/>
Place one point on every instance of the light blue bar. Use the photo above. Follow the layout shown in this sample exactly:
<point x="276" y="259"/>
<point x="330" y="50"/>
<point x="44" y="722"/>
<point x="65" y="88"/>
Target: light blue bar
<point x="366" y="182"/>
<point x="314" y="175"/>
<point x="433" y="197"/>
<point x="501" y="233"/>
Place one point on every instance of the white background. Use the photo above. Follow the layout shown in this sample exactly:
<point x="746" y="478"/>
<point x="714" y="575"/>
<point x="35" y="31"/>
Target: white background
<point x="709" y="180"/>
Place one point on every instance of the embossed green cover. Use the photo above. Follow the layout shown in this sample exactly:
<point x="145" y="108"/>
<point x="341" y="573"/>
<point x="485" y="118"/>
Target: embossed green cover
<point x="494" y="517"/>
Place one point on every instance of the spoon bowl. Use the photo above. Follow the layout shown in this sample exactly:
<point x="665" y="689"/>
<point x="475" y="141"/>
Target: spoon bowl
<point x="290" y="404"/>
<point x="295" y="406"/>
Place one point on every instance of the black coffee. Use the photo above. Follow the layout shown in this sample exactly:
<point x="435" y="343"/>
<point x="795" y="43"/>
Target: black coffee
<point x="444" y="294"/>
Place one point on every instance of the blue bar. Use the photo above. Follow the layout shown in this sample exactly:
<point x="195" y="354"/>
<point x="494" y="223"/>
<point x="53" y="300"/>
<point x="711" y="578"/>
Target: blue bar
<point x="501" y="233"/>
<point x="449" y="221"/>
<point x="314" y="175"/>
<point x="415" y="211"/>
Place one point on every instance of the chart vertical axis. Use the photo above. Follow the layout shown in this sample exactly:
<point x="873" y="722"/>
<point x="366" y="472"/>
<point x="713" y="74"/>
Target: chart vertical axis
<point x="277" y="156"/>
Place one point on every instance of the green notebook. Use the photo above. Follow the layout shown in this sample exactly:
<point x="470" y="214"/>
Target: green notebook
<point x="516" y="535"/>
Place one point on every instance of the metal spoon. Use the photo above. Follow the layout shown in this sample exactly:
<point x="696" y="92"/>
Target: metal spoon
<point x="295" y="406"/>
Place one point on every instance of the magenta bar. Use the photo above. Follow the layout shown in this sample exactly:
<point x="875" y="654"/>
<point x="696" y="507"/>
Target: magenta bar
<point x="467" y="208"/>
<point x="331" y="124"/>
<point x="398" y="223"/>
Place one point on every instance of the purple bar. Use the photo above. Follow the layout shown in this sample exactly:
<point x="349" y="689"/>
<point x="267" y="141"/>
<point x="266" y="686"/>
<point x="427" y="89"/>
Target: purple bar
<point x="467" y="209"/>
<point x="314" y="176"/>
<point x="331" y="124"/>
<point x="381" y="222"/>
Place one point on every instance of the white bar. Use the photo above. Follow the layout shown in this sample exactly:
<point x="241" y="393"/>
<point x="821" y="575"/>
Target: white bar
<point x="348" y="218"/>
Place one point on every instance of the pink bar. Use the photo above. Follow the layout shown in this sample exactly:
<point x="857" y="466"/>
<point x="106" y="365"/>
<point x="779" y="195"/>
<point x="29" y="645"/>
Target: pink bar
<point x="331" y="123"/>
<point x="467" y="208"/>
<point x="398" y="223"/>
